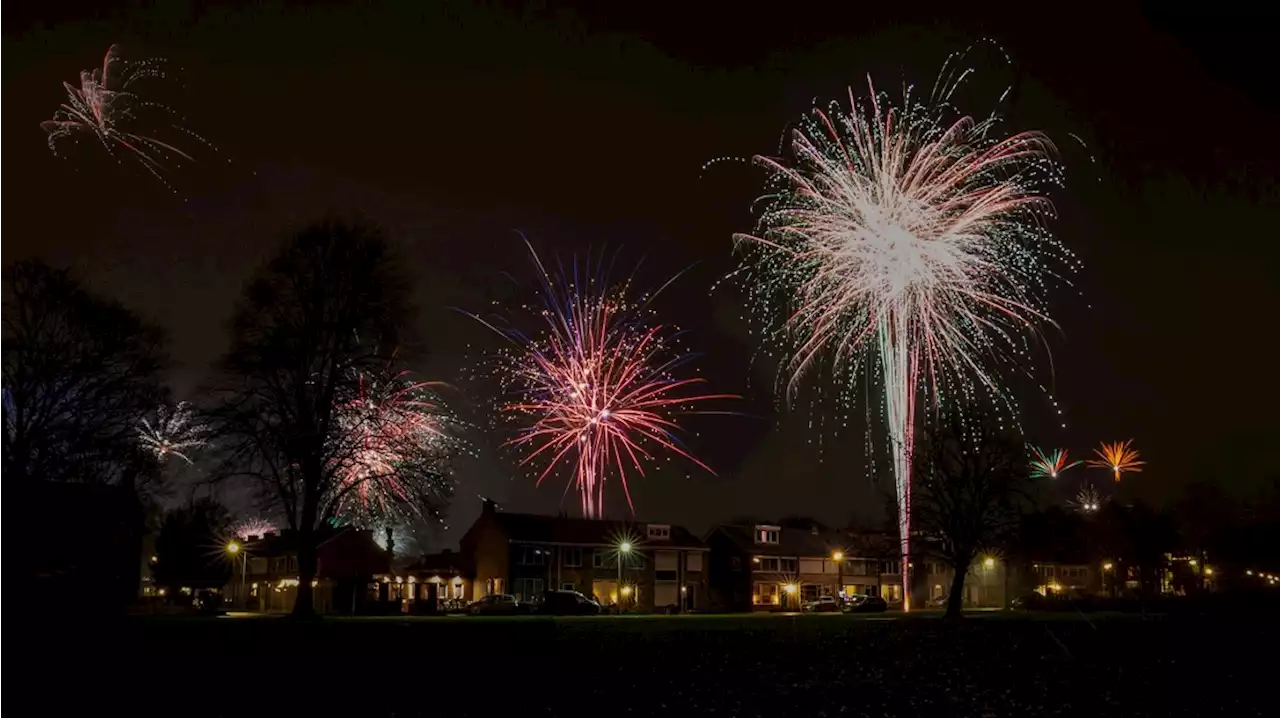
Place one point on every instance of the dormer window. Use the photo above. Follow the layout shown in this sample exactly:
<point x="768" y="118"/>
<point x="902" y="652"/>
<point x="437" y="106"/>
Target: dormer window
<point x="767" y="535"/>
<point x="659" y="532"/>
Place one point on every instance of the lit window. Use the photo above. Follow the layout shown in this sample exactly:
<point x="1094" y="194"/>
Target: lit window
<point x="767" y="534"/>
<point x="659" y="531"/>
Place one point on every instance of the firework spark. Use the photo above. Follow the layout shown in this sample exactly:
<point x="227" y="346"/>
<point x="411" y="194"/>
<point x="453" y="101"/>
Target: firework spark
<point x="1050" y="464"/>
<point x="596" y="389"/>
<point x="104" y="107"/>
<point x="395" y="441"/>
<point x="907" y="244"/>
<point x="1119" y="457"/>
<point x="1087" y="500"/>
<point x="174" y="433"/>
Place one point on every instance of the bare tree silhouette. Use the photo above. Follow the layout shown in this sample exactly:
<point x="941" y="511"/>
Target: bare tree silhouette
<point x="309" y="405"/>
<point x="972" y="483"/>
<point x="80" y="373"/>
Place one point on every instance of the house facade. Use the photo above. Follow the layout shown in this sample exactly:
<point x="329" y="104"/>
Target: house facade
<point x="630" y="566"/>
<point x="435" y="583"/>
<point x="768" y="567"/>
<point x="353" y="573"/>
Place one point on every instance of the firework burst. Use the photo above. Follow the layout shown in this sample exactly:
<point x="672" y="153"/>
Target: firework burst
<point x="909" y="245"/>
<point x="175" y="432"/>
<point x="395" y="441"/>
<point x="1051" y="464"/>
<point x="1087" y="500"/>
<point x="105" y="107"/>
<point x="1119" y="457"/>
<point x="252" y="527"/>
<point x="596" y="389"/>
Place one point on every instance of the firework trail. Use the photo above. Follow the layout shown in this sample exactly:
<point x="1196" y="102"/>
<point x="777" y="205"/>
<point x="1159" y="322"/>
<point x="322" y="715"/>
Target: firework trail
<point x="1118" y="457"/>
<point x="392" y="454"/>
<point x="103" y="106"/>
<point x="910" y="246"/>
<point x="596" y="389"/>
<point x="1087" y="500"/>
<point x="1051" y="464"/>
<point x="174" y="433"/>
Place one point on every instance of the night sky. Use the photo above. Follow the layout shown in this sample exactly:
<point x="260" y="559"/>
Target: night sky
<point x="454" y="127"/>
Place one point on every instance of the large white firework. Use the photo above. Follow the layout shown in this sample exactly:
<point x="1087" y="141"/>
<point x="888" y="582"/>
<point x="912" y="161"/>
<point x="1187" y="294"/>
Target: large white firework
<point x="175" y="432"/>
<point x="906" y="241"/>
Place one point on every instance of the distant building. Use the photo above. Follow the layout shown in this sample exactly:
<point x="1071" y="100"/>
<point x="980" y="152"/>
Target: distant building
<point x="634" y="566"/>
<point x="764" y="567"/>
<point x="436" y="582"/>
<point x="769" y="567"/>
<point x="353" y="573"/>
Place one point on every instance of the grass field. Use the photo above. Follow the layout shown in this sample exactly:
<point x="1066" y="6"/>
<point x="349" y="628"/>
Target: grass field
<point x="742" y="665"/>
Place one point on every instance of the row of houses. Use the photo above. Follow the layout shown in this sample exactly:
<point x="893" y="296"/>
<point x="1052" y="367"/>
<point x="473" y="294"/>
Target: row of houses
<point x="643" y="567"/>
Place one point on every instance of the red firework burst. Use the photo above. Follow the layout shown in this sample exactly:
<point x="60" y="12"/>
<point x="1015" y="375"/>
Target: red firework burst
<point x="596" y="388"/>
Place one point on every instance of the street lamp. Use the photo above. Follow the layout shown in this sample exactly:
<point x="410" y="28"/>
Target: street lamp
<point x="624" y="549"/>
<point x="838" y="557"/>
<point x="234" y="548"/>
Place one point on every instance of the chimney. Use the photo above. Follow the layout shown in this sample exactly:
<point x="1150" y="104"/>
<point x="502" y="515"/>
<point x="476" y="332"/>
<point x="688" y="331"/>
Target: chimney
<point x="391" y="544"/>
<point x="487" y="506"/>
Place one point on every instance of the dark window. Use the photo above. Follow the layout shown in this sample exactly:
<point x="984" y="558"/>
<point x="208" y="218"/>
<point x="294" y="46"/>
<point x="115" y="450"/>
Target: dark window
<point x="665" y="575"/>
<point x="602" y="558"/>
<point x="573" y="557"/>
<point x="532" y="556"/>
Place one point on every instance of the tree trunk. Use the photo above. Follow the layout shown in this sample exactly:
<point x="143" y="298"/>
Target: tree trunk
<point x="304" y="604"/>
<point x="955" y="599"/>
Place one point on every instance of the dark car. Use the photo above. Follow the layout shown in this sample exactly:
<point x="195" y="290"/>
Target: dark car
<point x="858" y="603"/>
<point x="500" y="604"/>
<point x="567" y="603"/>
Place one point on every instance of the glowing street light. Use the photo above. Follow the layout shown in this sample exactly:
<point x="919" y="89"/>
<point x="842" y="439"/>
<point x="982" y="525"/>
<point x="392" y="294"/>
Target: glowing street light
<point x="233" y="549"/>
<point x="1108" y="566"/>
<point x="624" y="550"/>
<point x="989" y="563"/>
<point x="837" y="556"/>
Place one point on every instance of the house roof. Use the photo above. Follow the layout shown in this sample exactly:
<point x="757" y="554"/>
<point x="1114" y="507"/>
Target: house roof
<point x="286" y="542"/>
<point x="791" y="542"/>
<point x="445" y="562"/>
<point x="536" y="528"/>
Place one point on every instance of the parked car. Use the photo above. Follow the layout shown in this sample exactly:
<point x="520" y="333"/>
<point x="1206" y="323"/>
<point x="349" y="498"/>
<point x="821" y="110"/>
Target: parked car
<point x="939" y="601"/>
<point x="567" y="603"/>
<point x="858" y="603"/>
<point x="499" y="604"/>
<point x="823" y="604"/>
<point x="1030" y="602"/>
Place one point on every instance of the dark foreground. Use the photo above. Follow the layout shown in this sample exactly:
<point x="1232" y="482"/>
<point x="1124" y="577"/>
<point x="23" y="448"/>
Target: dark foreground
<point x="823" y="665"/>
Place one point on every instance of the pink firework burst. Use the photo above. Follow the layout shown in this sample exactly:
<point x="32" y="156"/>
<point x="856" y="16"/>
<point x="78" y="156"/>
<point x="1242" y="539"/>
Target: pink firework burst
<point x="104" y="107"/>
<point x="597" y="388"/>
<point x="252" y="527"/>
<point x="393" y="448"/>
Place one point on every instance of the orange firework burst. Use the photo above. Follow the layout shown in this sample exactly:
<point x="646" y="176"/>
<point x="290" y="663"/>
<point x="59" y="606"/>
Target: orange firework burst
<point x="1118" y="456"/>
